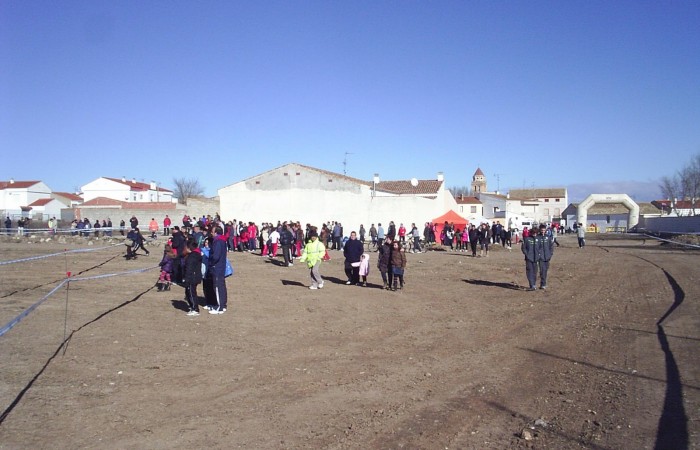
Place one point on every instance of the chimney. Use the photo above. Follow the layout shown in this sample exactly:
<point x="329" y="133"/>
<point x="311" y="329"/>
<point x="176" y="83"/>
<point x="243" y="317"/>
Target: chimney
<point x="440" y="176"/>
<point x="376" y="178"/>
<point x="123" y="179"/>
<point x="12" y="181"/>
<point x="133" y="181"/>
<point x="153" y="185"/>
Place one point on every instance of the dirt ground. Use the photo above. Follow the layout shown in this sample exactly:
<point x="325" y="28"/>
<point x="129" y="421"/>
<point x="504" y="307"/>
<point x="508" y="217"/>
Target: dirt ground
<point x="463" y="358"/>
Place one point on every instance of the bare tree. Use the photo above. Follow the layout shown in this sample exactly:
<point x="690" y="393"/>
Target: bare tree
<point x="684" y="185"/>
<point x="691" y="181"/>
<point x="186" y="188"/>
<point x="461" y="190"/>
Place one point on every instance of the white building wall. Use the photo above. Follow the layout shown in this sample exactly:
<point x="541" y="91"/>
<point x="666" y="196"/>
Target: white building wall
<point x="13" y="199"/>
<point x="51" y="209"/>
<point x="102" y="187"/>
<point x="316" y="206"/>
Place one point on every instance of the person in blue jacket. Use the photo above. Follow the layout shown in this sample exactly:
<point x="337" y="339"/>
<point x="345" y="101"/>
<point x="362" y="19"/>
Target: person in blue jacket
<point x="216" y="270"/>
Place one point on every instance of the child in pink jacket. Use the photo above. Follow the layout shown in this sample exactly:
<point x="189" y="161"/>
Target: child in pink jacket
<point x="364" y="268"/>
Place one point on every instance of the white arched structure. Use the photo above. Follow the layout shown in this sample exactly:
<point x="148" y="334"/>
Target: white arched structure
<point x="633" y="218"/>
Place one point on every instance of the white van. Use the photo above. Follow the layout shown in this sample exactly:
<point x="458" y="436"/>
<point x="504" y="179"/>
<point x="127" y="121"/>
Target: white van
<point x="517" y="223"/>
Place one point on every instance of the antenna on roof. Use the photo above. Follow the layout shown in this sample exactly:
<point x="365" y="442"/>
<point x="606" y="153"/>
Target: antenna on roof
<point x="498" y="181"/>
<point x="345" y="163"/>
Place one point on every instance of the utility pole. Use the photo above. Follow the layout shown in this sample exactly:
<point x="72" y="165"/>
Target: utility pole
<point x="498" y="181"/>
<point x="345" y="163"/>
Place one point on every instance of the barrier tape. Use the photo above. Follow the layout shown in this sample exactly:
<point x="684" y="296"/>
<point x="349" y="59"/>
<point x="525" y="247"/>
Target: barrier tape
<point x="76" y="231"/>
<point x="672" y="242"/>
<point x="79" y="250"/>
<point x="8" y="326"/>
<point x="51" y="231"/>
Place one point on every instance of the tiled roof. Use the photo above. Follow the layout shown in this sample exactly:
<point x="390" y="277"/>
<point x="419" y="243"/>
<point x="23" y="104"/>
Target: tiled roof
<point x="136" y="185"/>
<point x="109" y="202"/>
<point x="461" y="200"/>
<point x="333" y="174"/>
<point x="394" y="187"/>
<point x="405" y="187"/>
<point x="607" y="208"/>
<point x="69" y="196"/>
<point x="493" y="195"/>
<point x="41" y="202"/>
<point x="680" y="204"/>
<point x="17" y="184"/>
<point x="104" y="201"/>
<point x="478" y="172"/>
<point x="648" y="208"/>
<point x="617" y="208"/>
<point x="538" y="193"/>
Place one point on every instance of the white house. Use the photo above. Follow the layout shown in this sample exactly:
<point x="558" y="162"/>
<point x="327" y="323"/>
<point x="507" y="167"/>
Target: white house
<point x="16" y="196"/>
<point x="680" y="208"/>
<point x="123" y="190"/>
<point x="471" y="208"/>
<point x="542" y="204"/>
<point x="46" y="208"/>
<point x="68" y="198"/>
<point x="310" y="195"/>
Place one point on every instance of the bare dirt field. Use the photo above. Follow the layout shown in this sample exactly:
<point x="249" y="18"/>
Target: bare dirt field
<point x="463" y="358"/>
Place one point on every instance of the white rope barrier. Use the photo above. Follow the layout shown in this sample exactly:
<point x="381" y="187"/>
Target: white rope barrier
<point x="80" y="250"/>
<point x="671" y="241"/>
<point x="8" y="326"/>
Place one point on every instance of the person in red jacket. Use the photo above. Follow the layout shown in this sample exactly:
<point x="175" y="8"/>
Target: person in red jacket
<point x="166" y="225"/>
<point x="402" y="234"/>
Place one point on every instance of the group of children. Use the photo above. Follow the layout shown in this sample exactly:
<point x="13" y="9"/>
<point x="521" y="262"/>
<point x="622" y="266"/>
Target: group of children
<point x="392" y="264"/>
<point x="194" y="259"/>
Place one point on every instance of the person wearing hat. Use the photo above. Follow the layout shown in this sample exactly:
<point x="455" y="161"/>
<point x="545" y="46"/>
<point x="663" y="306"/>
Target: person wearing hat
<point x="529" y="248"/>
<point x="313" y="255"/>
<point x="545" y="250"/>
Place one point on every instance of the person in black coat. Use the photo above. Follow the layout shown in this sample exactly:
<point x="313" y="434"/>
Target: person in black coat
<point x="473" y="239"/>
<point x="384" y="263"/>
<point x="192" y="276"/>
<point x="352" y="251"/>
<point x="286" y="240"/>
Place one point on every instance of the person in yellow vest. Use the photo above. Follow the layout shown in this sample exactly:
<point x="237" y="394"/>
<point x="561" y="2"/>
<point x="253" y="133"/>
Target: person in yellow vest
<point x="313" y="255"/>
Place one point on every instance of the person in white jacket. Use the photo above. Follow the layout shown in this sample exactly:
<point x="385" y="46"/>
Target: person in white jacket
<point x="364" y="268"/>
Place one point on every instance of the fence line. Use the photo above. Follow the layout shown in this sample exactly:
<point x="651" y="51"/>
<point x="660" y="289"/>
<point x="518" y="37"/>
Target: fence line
<point x="8" y="326"/>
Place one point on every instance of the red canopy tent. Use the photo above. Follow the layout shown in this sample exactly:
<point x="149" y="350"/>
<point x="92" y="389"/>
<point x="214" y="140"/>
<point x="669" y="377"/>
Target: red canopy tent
<point x="452" y="218"/>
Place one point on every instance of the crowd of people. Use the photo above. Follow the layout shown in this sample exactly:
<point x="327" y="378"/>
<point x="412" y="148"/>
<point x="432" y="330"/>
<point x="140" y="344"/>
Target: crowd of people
<point x="190" y="258"/>
<point x="196" y="253"/>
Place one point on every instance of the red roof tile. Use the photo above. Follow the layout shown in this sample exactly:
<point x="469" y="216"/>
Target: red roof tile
<point x="70" y="196"/>
<point x="41" y="202"/>
<point x="17" y="184"/>
<point x="405" y="187"/>
<point x="467" y="200"/>
<point x="109" y="202"/>
<point x="136" y="185"/>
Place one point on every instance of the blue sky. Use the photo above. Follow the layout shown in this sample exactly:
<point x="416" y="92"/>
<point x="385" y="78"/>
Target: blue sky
<point x="587" y="95"/>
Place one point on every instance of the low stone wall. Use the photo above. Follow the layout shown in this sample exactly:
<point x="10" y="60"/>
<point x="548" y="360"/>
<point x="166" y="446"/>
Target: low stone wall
<point x="116" y="215"/>
<point x="679" y="225"/>
<point x="200" y="206"/>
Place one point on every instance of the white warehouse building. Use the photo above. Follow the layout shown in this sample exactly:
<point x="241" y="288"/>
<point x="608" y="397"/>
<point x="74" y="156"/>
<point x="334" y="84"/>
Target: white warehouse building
<point x="315" y="196"/>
